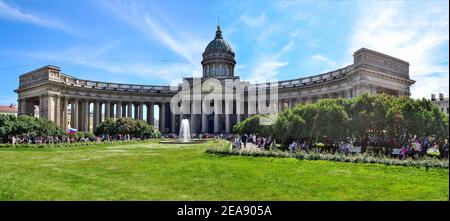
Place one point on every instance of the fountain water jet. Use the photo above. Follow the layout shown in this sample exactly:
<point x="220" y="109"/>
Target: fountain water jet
<point x="185" y="132"/>
<point x="184" y="135"/>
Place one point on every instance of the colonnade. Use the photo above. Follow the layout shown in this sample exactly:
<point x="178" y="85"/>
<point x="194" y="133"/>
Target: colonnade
<point x="76" y="112"/>
<point x="225" y="113"/>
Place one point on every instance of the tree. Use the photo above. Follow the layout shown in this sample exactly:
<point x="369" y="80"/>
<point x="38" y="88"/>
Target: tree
<point x="138" y="128"/>
<point x="108" y="126"/>
<point x="439" y="124"/>
<point x="289" y="126"/>
<point x="333" y="122"/>
<point x="359" y="111"/>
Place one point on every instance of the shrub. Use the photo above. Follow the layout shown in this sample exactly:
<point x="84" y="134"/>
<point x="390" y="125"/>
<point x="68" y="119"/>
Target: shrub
<point x="77" y="144"/>
<point x="25" y="125"/>
<point x="361" y="158"/>
<point x="89" y="135"/>
<point x="130" y="126"/>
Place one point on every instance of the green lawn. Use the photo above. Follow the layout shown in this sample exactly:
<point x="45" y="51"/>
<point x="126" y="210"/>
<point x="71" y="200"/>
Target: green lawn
<point x="175" y="172"/>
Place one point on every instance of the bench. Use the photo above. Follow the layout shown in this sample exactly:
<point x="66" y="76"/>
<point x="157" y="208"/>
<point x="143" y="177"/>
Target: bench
<point x="396" y="152"/>
<point x="355" y="150"/>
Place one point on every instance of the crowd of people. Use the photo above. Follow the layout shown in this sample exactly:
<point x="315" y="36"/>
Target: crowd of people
<point x="427" y="146"/>
<point x="199" y="136"/>
<point x="25" y="139"/>
<point x="416" y="147"/>
<point x="242" y="141"/>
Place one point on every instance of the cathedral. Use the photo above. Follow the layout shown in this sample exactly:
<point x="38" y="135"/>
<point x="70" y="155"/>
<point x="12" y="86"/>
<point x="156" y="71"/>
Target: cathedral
<point x="212" y="103"/>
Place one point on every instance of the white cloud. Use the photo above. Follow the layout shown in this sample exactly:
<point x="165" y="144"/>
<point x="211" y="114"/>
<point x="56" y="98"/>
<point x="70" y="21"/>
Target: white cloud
<point x="417" y="32"/>
<point x="322" y="59"/>
<point x="253" y="21"/>
<point x="266" y="68"/>
<point x="97" y="58"/>
<point x="285" y="49"/>
<point x="15" y="14"/>
<point x="144" y="19"/>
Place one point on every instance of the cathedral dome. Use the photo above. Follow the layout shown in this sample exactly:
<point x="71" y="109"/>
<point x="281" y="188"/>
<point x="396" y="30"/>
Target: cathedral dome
<point x="218" y="58"/>
<point x="218" y="45"/>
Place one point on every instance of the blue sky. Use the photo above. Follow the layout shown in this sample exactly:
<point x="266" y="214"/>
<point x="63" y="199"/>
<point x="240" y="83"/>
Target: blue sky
<point x="159" y="42"/>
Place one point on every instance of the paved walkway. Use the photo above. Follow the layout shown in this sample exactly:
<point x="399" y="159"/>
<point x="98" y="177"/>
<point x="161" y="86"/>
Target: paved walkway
<point x="250" y="146"/>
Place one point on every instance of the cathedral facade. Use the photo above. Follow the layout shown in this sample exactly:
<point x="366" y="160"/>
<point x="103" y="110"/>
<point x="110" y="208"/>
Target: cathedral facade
<point x="213" y="103"/>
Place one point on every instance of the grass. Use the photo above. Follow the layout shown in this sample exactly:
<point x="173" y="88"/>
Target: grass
<point x="152" y="171"/>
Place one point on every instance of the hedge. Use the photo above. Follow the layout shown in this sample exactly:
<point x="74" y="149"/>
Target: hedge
<point x="358" y="158"/>
<point x="76" y="144"/>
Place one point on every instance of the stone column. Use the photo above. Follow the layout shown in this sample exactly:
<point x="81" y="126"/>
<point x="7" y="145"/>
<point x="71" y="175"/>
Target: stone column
<point x="130" y="110"/>
<point x="280" y="105"/>
<point x="65" y="104"/>
<point x="118" y="110"/>
<point x="217" y="110"/>
<point x="47" y="108"/>
<point x="240" y="105"/>
<point x="112" y="108"/>
<point x="238" y="115"/>
<point x="162" y="117"/>
<point x="29" y="107"/>
<point x="124" y="110"/>
<point x="141" y="111"/>
<point x="87" y="115"/>
<point x="228" y="112"/>
<point x="74" y="113"/>
<point x="41" y="106"/>
<point x="292" y="102"/>
<point x="252" y="110"/>
<point x="172" y="122"/>
<point x="81" y="115"/>
<point x="96" y="114"/>
<point x="196" y="109"/>
<point x="19" y="107"/>
<point x="136" y="111"/>
<point x="57" y="110"/>
<point x="150" y="114"/>
<point x="107" y="110"/>
<point x="181" y="116"/>
<point x="204" y="123"/>
<point x="51" y="108"/>
<point x="22" y="106"/>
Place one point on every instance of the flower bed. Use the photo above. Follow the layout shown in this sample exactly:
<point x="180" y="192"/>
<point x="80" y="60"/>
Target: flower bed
<point x="427" y="162"/>
<point x="76" y="144"/>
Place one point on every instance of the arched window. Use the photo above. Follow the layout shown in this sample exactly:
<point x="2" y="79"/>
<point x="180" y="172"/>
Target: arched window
<point x="211" y="70"/>
<point x="223" y="71"/>
<point x="217" y="70"/>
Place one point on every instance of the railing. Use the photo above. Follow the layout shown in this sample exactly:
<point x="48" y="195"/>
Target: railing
<point x="313" y="79"/>
<point x="69" y="80"/>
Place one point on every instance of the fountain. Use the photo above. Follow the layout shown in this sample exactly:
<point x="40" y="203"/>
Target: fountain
<point x="185" y="132"/>
<point x="184" y="135"/>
